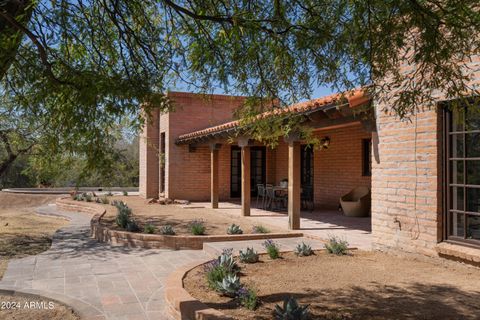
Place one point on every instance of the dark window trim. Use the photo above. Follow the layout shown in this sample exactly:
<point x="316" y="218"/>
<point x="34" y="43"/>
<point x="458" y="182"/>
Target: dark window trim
<point x="367" y="157"/>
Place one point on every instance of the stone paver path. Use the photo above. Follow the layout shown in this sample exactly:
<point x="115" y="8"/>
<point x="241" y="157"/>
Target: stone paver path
<point x="102" y="281"/>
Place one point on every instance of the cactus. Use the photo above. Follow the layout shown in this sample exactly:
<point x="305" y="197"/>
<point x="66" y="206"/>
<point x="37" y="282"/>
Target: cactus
<point x="227" y="261"/>
<point x="229" y="286"/>
<point x="234" y="229"/>
<point x="303" y="250"/>
<point x="291" y="310"/>
<point x="249" y="256"/>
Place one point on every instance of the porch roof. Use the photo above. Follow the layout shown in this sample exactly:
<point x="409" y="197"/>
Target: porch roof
<point x="355" y="98"/>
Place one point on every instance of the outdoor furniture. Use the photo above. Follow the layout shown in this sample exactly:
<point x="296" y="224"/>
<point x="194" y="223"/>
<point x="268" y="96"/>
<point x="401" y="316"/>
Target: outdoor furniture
<point x="356" y="203"/>
<point x="261" y="194"/>
<point x="306" y="197"/>
<point x="273" y="198"/>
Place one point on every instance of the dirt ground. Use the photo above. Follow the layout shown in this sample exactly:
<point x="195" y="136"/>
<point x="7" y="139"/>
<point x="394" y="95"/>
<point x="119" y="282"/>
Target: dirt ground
<point x="364" y="285"/>
<point x="28" y="308"/>
<point x="159" y="215"/>
<point x="22" y="232"/>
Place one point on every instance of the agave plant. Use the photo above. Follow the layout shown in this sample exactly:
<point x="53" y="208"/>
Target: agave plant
<point x="167" y="230"/>
<point x="227" y="261"/>
<point x="303" y="250"/>
<point x="291" y="310"/>
<point x="249" y="256"/>
<point x="234" y="229"/>
<point x="229" y="286"/>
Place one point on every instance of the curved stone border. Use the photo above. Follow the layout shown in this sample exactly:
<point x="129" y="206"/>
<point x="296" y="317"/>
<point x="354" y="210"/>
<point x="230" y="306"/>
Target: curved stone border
<point x="103" y="234"/>
<point x="83" y="310"/>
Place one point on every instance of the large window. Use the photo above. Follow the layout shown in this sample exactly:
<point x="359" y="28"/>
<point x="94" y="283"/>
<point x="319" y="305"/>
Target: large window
<point x="463" y="176"/>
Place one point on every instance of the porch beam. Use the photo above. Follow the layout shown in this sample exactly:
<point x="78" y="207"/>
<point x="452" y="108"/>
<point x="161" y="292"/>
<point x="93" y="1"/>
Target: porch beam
<point x="294" y="184"/>
<point x="245" y="154"/>
<point x="214" y="147"/>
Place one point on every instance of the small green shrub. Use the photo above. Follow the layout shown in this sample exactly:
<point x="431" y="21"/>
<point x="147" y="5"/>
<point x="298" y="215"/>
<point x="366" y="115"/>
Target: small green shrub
<point x="260" y="229"/>
<point x="248" y="298"/>
<point x="125" y="193"/>
<point x="249" y="256"/>
<point x="197" y="227"/>
<point x="336" y="245"/>
<point x="124" y="214"/>
<point x="214" y="274"/>
<point x="78" y="197"/>
<point x="272" y="249"/>
<point x="303" y="250"/>
<point x="104" y="200"/>
<point x="229" y="285"/>
<point x="167" y="230"/>
<point x="291" y="310"/>
<point x="234" y="229"/>
<point x="149" y="228"/>
<point x="87" y="197"/>
<point x="132" y="226"/>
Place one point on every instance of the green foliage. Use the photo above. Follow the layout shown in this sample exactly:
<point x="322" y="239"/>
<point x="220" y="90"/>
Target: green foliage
<point x="125" y="193"/>
<point x="249" y="256"/>
<point x="336" y="246"/>
<point x="124" y="214"/>
<point x="104" y="200"/>
<point x="272" y="248"/>
<point x="248" y="298"/>
<point x="229" y="285"/>
<point x="167" y="230"/>
<point x="260" y="229"/>
<point x="149" y="228"/>
<point x="303" y="250"/>
<point x="88" y="197"/>
<point x="214" y="274"/>
<point x="132" y="225"/>
<point x="291" y="310"/>
<point x="234" y="229"/>
<point x="197" y="227"/>
<point x="227" y="261"/>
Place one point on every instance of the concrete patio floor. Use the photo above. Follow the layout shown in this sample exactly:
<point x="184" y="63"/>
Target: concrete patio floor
<point x="319" y="224"/>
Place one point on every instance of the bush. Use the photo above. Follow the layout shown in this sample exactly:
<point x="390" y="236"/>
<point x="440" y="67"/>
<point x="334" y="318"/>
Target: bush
<point x="167" y="230"/>
<point x="132" y="226"/>
<point x="248" y="298"/>
<point x="249" y="256"/>
<point x="229" y="286"/>
<point x="104" y="200"/>
<point x="219" y="268"/>
<point x="336" y="246"/>
<point x="234" y="229"/>
<point x="291" y="310"/>
<point x="78" y="197"/>
<point x="149" y="228"/>
<point x="87" y="197"/>
<point x="124" y="214"/>
<point x="197" y="227"/>
<point x="125" y="193"/>
<point x="272" y="249"/>
<point x="303" y="250"/>
<point x="260" y="229"/>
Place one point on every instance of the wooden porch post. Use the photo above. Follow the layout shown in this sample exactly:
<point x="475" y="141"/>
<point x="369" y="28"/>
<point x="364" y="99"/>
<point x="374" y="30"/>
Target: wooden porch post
<point x="294" y="184"/>
<point x="214" y="175"/>
<point x="243" y="143"/>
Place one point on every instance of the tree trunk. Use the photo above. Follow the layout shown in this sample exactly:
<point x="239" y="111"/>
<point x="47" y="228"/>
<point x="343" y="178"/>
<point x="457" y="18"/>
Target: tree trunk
<point x="5" y="164"/>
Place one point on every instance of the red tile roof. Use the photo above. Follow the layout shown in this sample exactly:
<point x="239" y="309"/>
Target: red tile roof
<point x="354" y="98"/>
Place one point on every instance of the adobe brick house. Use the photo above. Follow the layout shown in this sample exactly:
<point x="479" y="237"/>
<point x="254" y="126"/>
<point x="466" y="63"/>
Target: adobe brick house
<point x="423" y="174"/>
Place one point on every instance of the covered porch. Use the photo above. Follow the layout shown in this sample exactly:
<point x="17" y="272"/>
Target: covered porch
<point x="238" y="163"/>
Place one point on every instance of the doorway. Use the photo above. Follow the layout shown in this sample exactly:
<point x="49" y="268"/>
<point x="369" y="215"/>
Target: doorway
<point x="257" y="170"/>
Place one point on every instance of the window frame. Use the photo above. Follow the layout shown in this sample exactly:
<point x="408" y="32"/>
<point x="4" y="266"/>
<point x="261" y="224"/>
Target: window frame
<point x="367" y="157"/>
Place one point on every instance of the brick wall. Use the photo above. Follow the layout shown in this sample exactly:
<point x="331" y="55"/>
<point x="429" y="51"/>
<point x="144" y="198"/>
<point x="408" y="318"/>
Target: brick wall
<point x="337" y="170"/>
<point x="148" y="157"/>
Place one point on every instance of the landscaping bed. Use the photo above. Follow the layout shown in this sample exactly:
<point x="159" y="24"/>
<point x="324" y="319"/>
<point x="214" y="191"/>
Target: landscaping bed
<point x="18" y="307"/>
<point x="360" y="285"/>
<point x="178" y="217"/>
<point x="22" y="232"/>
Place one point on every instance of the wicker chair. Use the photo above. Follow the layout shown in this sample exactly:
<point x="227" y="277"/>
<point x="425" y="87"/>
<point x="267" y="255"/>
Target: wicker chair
<point x="357" y="202"/>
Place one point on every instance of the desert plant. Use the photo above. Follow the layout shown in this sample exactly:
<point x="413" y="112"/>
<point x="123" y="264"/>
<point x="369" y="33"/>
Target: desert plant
<point x="260" y="229"/>
<point x="234" y="229"/>
<point x="248" y="298"/>
<point x="291" y="310"/>
<point x="336" y="245"/>
<point x="167" y="230"/>
<point x="125" y="193"/>
<point x="78" y="197"/>
<point x="197" y="227"/>
<point x="149" y="228"/>
<point x="214" y="273"/>
<point x="303" y="250"/>
<point x="272" y="249"/>
<point x="103" y="200"/>
<point x="87" y="197"/>
<point x="229" y="285"/>
<point x="124" y="214"/>
<point x="132" y="226"/>
<point x="227" y="261"/>
<point x="249" y="256"/>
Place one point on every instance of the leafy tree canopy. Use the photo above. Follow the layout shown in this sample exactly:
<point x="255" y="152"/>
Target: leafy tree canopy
<point x="82" y="65"/>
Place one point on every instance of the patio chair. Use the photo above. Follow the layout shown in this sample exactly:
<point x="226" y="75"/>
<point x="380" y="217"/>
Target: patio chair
<point x="272" y="198"/>
<point x="357" y="202"/>
<point x="261" y="195"/>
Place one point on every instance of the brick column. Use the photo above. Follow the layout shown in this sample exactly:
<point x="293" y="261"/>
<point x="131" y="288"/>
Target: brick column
<point x="243" y="143"/>
<point x="294" y="184"/>
<point x="214" y="175"/>
<point x="148" y="157"/>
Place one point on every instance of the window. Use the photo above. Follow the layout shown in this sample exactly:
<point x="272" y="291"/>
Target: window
<point x="367" y="157"/>
<point x="463" y="176"/>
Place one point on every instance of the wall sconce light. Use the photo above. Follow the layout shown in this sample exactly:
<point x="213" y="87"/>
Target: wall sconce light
<point x="324" y="143"/>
